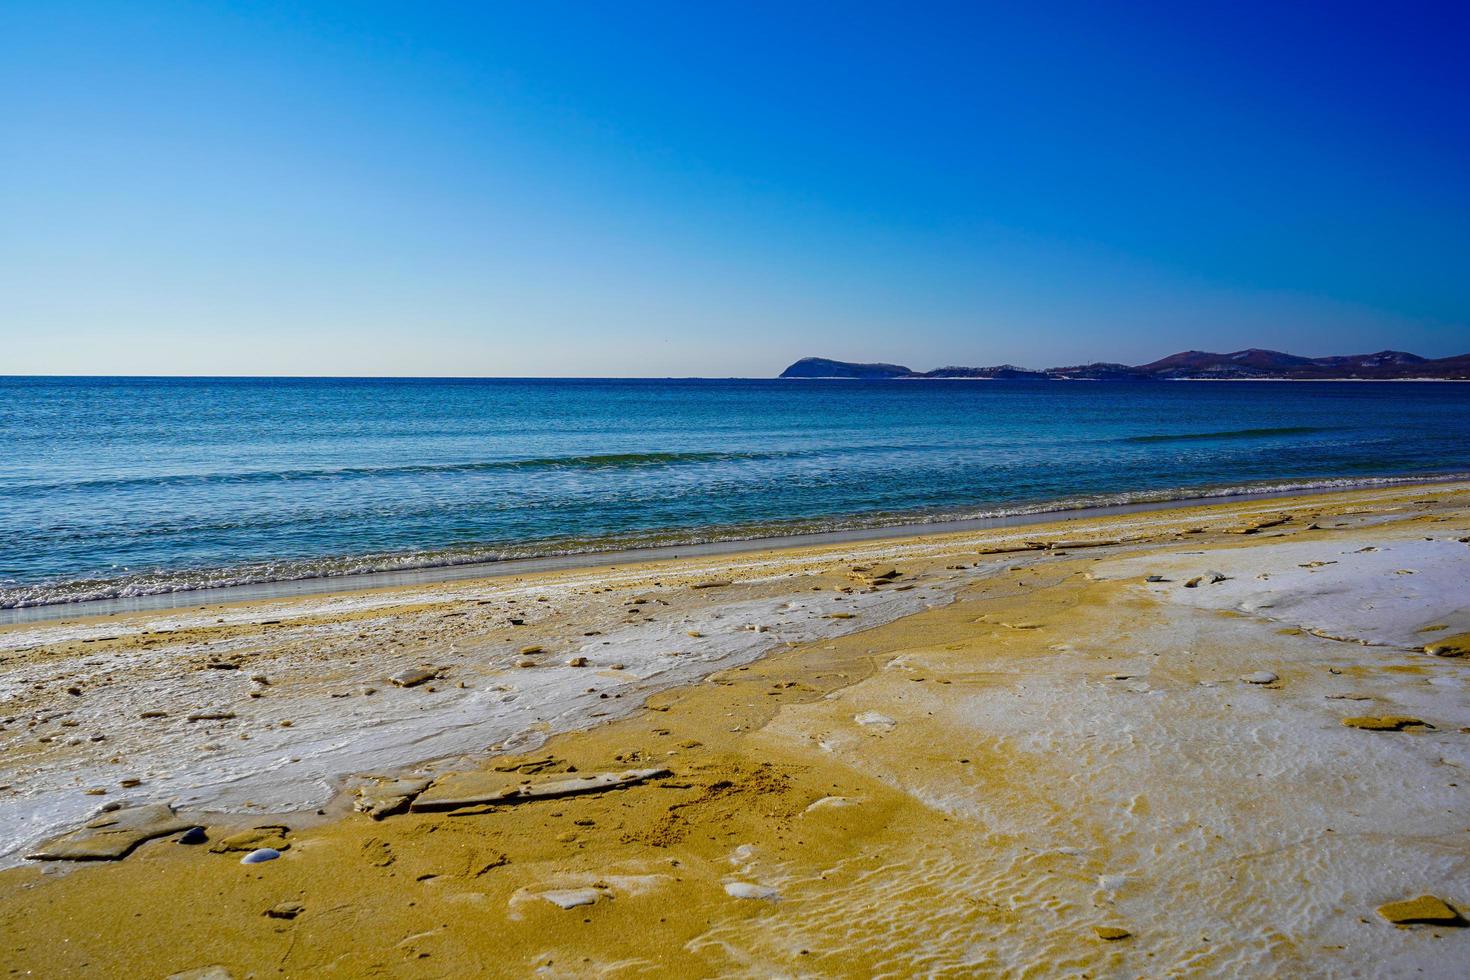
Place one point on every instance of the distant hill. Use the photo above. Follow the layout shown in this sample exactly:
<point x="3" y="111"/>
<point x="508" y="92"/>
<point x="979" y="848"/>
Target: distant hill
<point x="1243" y="365"/>
<point x="820" y="367"/>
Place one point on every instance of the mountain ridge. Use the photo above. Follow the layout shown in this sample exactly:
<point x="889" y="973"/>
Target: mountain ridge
<point x="1253" y="363"/>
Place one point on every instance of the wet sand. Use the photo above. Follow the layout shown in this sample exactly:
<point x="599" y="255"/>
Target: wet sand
<point x="988" y="763"/>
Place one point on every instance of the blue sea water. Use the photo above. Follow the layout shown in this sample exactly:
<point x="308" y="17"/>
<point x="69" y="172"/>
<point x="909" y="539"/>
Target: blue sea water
<point x="129" y="486"/>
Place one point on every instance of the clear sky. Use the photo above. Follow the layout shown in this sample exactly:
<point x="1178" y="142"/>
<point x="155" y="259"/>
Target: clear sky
<point x="697" y="189"/>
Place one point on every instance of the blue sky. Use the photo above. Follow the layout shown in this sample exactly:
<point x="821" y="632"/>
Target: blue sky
<point x="690" y="189"/>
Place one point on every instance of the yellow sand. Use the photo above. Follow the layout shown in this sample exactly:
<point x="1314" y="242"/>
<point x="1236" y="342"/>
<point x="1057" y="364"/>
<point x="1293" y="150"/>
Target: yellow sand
<point x="915" y="798"/>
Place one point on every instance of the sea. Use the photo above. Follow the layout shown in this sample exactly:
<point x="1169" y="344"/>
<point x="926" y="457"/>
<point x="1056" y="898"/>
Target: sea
<point x="129" y="487"/>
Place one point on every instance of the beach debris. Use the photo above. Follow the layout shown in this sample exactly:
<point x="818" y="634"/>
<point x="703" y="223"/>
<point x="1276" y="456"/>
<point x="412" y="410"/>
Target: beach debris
<point x="1257" y="526"/>
<point x="1385" y="723"/>
<point x="386" y="797"/>
<point x="870" y="718"/>
<point x="261" y="856"/>
<point x="112" y="835"/>
<point x="455" y="790"/>
<point x="750" y="890"/>
<point x="1425" y="910"/>
<point x="1110" y="934"/>
<point x="1450" y="647"/>
<point x="285" y="910"/>
<point x="712" y="584"/>
<point x="267" y="836"/>
<point x="1260" y="677"/>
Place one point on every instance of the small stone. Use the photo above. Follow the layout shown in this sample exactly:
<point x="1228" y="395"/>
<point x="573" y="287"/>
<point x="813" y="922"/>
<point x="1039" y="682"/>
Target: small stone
<point x="211" y="716"/>
<point x="577" y="662"/>
<point x="154" y="713"/>
<point x="873" y="718"/>
<point x="1193" y="583"/>
<point x="1260" y="677"/>
<point x="194" y="835"/>
<point x="1111" y="934"/>
<point x="1424" y="910"/>
<point x="712" y="584"/>
<point x="525" y="662"/>
<point x="528" y="650"/>
<point x="285" y="910"/>
<point x="130" y="782"/>
<point x="261" y="856"/>
<point x="1156" y="578"/>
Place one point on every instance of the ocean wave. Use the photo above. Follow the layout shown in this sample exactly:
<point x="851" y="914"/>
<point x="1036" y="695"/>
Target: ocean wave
<point x="17" y="595"/>
<point x="589" y="461"/>
<point x="1265" y="433"/>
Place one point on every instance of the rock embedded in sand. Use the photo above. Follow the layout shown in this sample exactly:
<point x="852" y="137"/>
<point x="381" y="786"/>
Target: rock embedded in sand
<point x="874" y="718"/>
<point x="413" y="676"/>
<point x="571" y="898"/>
<point x="1450" y="647"/>
<point x="267" y="836"/>
<point x="1260" y="677"/>
<point x="1424" y="910"/>
<point x="577" y="662"/>
<point x="113" y="835"/>
<point x="1110" y="934"/>
<point x="712" y="584"/>
<point x="1385" y="723"/>
<point x="285" y="910"/>
<point x="261" y="856"/>
<point x="750" y="890"/>
<point x="527" y="651"/>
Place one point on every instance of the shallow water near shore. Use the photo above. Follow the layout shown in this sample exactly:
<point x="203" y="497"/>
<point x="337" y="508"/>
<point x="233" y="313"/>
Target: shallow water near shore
<point x="128" y="487"/>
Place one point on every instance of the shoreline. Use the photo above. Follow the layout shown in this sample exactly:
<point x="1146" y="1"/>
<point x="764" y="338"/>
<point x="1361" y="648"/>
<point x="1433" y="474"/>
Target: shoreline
<point x="426" y="574"/>
<point x="1026" y="742"/>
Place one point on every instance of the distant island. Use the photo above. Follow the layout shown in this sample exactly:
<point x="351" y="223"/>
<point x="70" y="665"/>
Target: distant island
<point x="1191" y="365"/>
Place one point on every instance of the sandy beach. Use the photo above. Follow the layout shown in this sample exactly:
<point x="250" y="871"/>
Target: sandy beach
<point x="1216" y="740"/>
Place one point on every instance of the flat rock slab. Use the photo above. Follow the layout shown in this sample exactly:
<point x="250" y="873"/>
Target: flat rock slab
<point x="1424" y="910"/>
<point x="389" y="796"/>
<point x="413" y="676"/>
<point x="1385" y="723"/>
<point x="461" y="789"/>
<point x="113" y="835"/>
